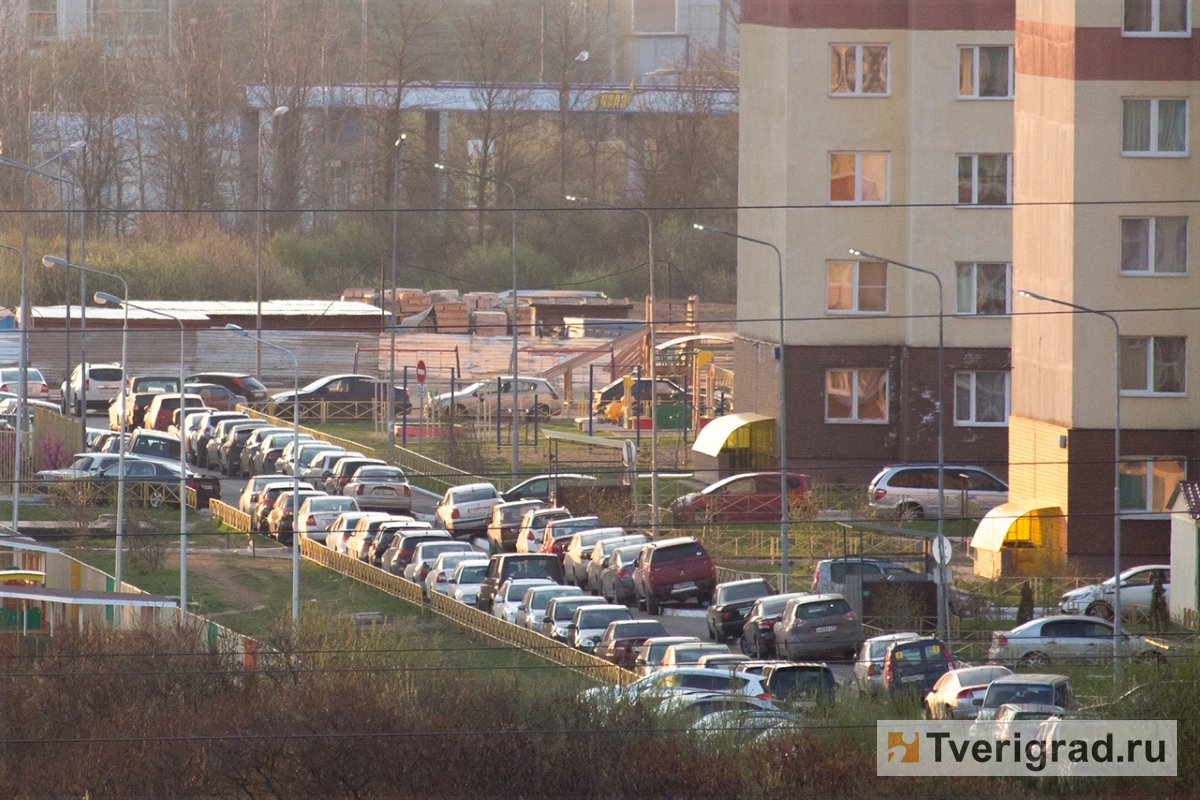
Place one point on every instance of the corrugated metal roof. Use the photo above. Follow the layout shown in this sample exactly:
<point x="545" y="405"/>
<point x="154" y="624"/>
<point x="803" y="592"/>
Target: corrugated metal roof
<point x="206" y="309"/>
<point x="109" y="313"/>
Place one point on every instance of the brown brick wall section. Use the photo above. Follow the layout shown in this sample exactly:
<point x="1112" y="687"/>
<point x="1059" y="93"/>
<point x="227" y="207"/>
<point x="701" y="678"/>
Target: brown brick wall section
<point x="853" y="452"/>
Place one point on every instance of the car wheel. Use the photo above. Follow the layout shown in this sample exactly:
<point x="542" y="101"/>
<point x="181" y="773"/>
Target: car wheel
<point x="653" y="607"/>
<point x="641" y="601"/>
<point x="543" y="410"/>
<point x="747" y="650"/>
<point x="460" y="410"/>
<point x="156" y="499"/>
<point x="910" y="511"/>
<point x="712" y="635"/>
<point x="1151" y="657"/>
<point x="76" y="407"/>
<point x="1034" y="659"/>
<point x="1101" y="609"/>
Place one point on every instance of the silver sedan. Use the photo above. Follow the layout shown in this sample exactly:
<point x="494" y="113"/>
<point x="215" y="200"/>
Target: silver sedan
<point x="380" y="487"/>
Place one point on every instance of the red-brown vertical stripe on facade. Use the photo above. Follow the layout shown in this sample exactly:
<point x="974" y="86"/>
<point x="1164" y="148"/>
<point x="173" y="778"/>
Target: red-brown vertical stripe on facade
<point x="924" y="15"/>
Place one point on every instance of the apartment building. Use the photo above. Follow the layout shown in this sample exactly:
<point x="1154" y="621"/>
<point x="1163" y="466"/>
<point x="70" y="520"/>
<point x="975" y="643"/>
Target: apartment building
<point x="884" y="126"/>
<point x="1106" y="98"/>
<point x="113" y="21"/>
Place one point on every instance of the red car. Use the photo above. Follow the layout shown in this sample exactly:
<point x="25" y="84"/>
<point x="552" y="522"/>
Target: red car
<point x="749" y="497"/>
<point x="623" y="639"/>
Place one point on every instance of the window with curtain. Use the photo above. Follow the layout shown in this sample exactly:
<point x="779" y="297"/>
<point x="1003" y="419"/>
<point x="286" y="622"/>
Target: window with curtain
<point x="981" y="398"/>
<point x="857" y="286"/>
<point x="983" y="288"/>
<point x="1154" y="245"/>
<point x="858" y="69"/>
<point x="654" y="16"/>
<point x="856" y="395"/>
<point x="1156" y="18"/>
<point x="858" y="178"/>
<point x="1152" y="365"/>
<point x="985" y="72"/>
<point x="1147" y="484"/>
<point x="985" y="179"/>
<point x="1155" y="126"/>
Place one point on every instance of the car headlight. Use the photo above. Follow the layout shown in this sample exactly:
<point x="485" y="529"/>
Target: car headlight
<point x="560" y="631"/>
<point x="587" y="643"/>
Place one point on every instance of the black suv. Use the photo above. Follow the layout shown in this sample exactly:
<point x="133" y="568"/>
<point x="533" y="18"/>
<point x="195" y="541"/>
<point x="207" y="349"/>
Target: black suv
<point x="731" y="603"/>
<point x="503" y="566"/>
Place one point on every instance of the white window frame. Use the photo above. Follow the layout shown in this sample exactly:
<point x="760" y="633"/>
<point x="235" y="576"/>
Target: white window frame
<point x="1154" y="152"/>
<point x="854" y="401"/>
<point x="974" y="310"/>
<point x="1156" y="21"/>
<point x="1151" y="253"/>
<point x="974" y="48"/>
<point x="1149" y="384"/>
<point x="971" y="421"/>
<point x="1008" y="188"/>
<point x="858" y="67"/>
<point x="856" y="289"/>
<point x="1148" y="464"/>
<point x="858" y="176"/>
<point x="636" y="32"/>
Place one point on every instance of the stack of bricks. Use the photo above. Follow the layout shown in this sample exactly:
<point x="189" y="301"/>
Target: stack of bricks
<point x="489" y="323"/>
<point x="452" y="317"/>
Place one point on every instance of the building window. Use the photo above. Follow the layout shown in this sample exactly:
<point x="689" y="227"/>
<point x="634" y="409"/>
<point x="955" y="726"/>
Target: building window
<point x="1148" y="484"/>
<point x="1154" y="126"/>
<point x="857" y="286"/>
<point x="981" y="398"/>
<point x="858" y="69"/>
<point x="1154" y="245"/>
<point x="985" y="179"/>
<point x="856" y="395"/>
<point x="653" y="16"/>
<point x="1156" y="18"/>
<point x="985" y="72"/>
<point x="983" y="289"/>
<point x="1153" y="365"/>
<point x="858" y="178"/>
<point x="43" y="20"/>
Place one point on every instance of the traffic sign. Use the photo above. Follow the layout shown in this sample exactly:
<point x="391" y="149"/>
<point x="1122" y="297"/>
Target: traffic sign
<point x="420" y="372"/>
<point x="942" y="550"/>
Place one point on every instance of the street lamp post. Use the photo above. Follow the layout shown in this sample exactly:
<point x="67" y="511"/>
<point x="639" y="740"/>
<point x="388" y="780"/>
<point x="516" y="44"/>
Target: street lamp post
<point x="105" y="297"/>
<point x="785" y="567"/>
<point x="943" y="610"/>
<point x="516" y="467"/>
<point x="653" y="358"/>
<point x="1117" y="635"/>
<point x="295" y="472"/>
<point x="258" y="227"/>
<point x="54" y="261"/>
<point x="391" y="392"/>
<point x="23" y="347"/>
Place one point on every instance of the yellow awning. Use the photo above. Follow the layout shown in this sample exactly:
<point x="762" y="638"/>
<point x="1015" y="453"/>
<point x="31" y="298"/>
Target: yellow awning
<point x="715" y="434"/>
<point x="1018" y="519"/>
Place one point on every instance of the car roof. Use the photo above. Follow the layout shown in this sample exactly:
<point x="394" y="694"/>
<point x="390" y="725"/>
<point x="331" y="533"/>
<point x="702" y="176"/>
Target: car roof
<point x="889" y="637"/>
<point x="671" y="542"/>
<point x="1031" y="677"/>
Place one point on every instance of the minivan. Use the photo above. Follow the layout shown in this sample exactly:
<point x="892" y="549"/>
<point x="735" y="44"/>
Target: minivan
<point x="503" y="566"/>
<point x="911" y="492"/>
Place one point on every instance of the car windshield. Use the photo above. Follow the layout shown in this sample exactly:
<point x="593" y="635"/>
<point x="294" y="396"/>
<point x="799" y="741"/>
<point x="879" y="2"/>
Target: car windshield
<point x="474" y="387"/>
<point x="570" y="527"/>
<point x="600" y="617"/>
<point x="379" y="475"/>
<point x="331" y="504"/>
<point x="772" y="606"/>
<point x="1002" y="693"/>
<point x="641" y="627"/>
<point x="472" y="494"/>
<point x="472" y="574"/>
<point x="743" y="591"/>
<point x="563" y="611"/>
<point x="542" y="599"/>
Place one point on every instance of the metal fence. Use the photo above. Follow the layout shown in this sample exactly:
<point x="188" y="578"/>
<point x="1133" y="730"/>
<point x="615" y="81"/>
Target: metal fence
<point x="229" y="515"/>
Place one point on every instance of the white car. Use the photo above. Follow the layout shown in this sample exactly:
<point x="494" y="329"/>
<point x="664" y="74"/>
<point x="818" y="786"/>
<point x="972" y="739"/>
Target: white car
<point x="254" y="487"/>
<point x="959" y="693"/>
<point x="532" y="609"/>
<point x="868" y="666"/>
<point x="650" y="656"/>
<point x="83" y="465"/>
<point x="910" y="491"/>
<point x="588" y="624"/>
<point x="319" y="463"/>
<point x="1137" y="585"/>
<point x="318" y="514"/>
<point x="36" y="387"/>
<point x="426" y="552"/>
<point x="342" y="528"/>
<point x="529" y="536"/>
<point x="466" y="579"/>
<point x="438" y="579"/>
<point x="578" y="553"/>
<point x="467" y="508"/>
<point x="103" y="384"/>
<point x="510" y="594"/>
<point x="677" y="680"/>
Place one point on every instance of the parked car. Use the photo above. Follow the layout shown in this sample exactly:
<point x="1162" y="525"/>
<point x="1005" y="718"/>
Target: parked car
<point x="818" y="626"/>
<point x="466" y="580"/>
<point x="622" y="640"/>
<point x="154" y="445"/>
<point x="281" y="523"/>
<point x="228" y="439"/>
<point x="342" y="528"/>
<point x="319" y="466"/>
<point x="318" y="514"/>
<point x="506" y="522"/>
<point x="267" y="496"/>
<point x="206" y="428"/>
<point x="1039" y="688"/>
<point x="558" y="532"/>
<point x="503" y="566"/>
<point x="425" y="549"/>
<point x="510" y="594"/>
<point x="468" y="508"/>
<point x="545" y="487"/>
<point x="286" y="463"/>
<point x="348" y="390"/>
<point x="1065" y="640"/>
<point x="599" y="557"/>
<point x="911" y="491"/>
<point x="244" y="466"/>
<point x="758" y="634"/>
<point x="269" y="450"/>
<point x="184" y="424"/>
<point x="83" y="465"/>
<point x="868" y="666"/>
<point x="729" y="661"/>
<point x="830" y="573"/>
<point x="438" y="579"/>
<point x="491" y="397"/>
<point x="533" y="527"/>
<point x="673" y="570"/>
<point x="36" y="387"/>
<point x="133" y="401"/>
<point x="577" y="554"/>
<point x="749" y="497"/>
<point x="239" y="383"/>
<point x="344" y="468"/>
<point x="649" y="657"/>
<point x="668" y="391"/>
<point x="253" y="489"/>
<point x="559" y="611"/>
<point x="162" y="480"/>
<point x="532" y="608"/>
<point x="1137" y="586"/>
<point x="588" y="624"/>
<point x="674" y="681"/>
<point x="409" y="536"/>
<point x="732" y="601"/>
<point x="360" y="540"/>
<point x="379" y="486"/>
<point x="959" y="693"/>
<point x="803" y="684"/>
<point x="915" y="665"/>
<point x="616" y="579"/>
<point x="688" y="654"/>
<point x="101" y="383"/>
<point x="216" y="396"/>
<point x="162" y="408"/>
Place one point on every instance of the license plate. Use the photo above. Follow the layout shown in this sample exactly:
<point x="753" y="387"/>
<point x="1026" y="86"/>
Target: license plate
<point x="912" y="678"/>
<point x="387" y="490"/>
<point x="684" y="587"/>
<point x="826" y="628"/>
